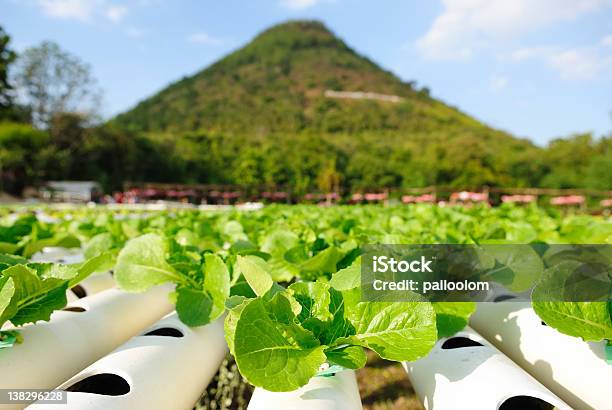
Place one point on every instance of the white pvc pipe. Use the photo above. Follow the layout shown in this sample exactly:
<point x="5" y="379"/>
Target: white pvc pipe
<point x="57" y="254"/>
<point x="54" y="351"/>
<point x="473" y="377"/>
<point x="97" y="282"/>
<point x="575" y="370"/>
<point x="162" y="372"/>
<point x="338" y="392"/>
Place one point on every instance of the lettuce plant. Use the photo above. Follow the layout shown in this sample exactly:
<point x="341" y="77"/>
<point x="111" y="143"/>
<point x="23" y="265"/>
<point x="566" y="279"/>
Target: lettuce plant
<point x="202" y="279"/>
<point x="284" y="337"/>
<point x="30" y="292"/>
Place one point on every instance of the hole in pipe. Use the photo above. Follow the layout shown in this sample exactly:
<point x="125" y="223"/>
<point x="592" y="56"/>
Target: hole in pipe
<point x="79" y="291"/>
<point x="459" y="342"/>
<point x="525" y="403"/>
<point x="165" y="331"/>
<point x="106" y="384"/>
<point x="501" y="298"/>
<point x="76" y="309"/>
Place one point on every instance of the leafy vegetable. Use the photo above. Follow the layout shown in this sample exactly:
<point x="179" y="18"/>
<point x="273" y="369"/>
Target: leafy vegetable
<point x="30" y="292"/>
<point x="281" y="338"/>
<point x="202" y="281"/>
<point x="451" y="317"/>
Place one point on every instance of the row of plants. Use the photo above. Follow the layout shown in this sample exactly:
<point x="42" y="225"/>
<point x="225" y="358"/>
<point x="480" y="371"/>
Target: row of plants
<point x="286" y="277"/>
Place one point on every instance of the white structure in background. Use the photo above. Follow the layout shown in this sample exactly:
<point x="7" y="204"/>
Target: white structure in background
<point x="70" y="191"/>
<point x="361" y="95"/>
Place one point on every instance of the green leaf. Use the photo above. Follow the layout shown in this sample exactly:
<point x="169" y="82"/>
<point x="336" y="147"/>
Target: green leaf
<point x="451" y="317"/>
<point x="519" y="266"/>
<point x="141" y="264"/>
<point x="589" y="320"/>
<point x="216" y="283"/>
<point x="351" y="357"/>
<point x="314" y="299"/>
<point x="6" y="247"/>
<point x="7" y="290"/>
<point x="282" y="270"/>
<point x="200" y="306"/>
<point x="347" y="278"/>
<point x="322" y="263"/>
<point x="235" y="304"/>
<point x="194" y="307"/>
<point x="33" y="297"/>
<point x="186" y="237"/>
<point x="396" y="331"/>
<point x="340" y="326"/>
<point x="98" y="244"/>
<point x="52" y="270"/>
<point x="278" y="242"/>
<point x="256" y="271"/>
<point x="271" y="350"/>
<point x="100" y="263"/>
<point x="11" y="260"/>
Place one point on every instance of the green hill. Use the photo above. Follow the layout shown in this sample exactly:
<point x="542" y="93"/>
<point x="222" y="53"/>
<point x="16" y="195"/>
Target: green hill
<point x="278" y="82"/>
<point x="276" y="111"/>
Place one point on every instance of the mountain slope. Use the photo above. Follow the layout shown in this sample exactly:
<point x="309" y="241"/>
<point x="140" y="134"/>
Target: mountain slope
<point x="278" y="83"/>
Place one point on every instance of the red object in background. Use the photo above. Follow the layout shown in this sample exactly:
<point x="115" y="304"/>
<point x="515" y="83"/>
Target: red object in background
<point x="606" y="202"/>
<point x="466" y="196"/>
<point x="522" y="199"/>
<point x="375" y="196"/>
<point x="568" y="200"/>
<point x="425" y="198"/>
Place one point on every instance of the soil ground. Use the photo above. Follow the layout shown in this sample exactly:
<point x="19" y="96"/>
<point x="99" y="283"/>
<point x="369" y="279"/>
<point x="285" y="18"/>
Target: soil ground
<point x="384" y="385"/>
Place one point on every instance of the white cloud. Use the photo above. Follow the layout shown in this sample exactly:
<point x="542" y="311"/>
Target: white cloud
<point x="527" y="53"/>
<point x="85" y="11"/>
<point x="577" y="63"/>
<point x="299" y="4"/>
<point x="466" y="26"/>
<point x="498" y="82"/>
<point x="81" y="10"/>
<point x="606" y="41"/>
<point x="204" y="38"/>
<point x="116" y="13"/>
<point x="580" y="63"/>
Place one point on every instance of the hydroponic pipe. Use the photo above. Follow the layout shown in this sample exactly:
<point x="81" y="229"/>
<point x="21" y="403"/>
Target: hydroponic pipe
<point x="575" y="370"/>
<point x="167" y="367"/>
<point x="88" y="329"/>
<point x="95" y="283"/>
<point x="55" y="254"/>
<point x="337" y="392"/>
<point x="466" y="372"/>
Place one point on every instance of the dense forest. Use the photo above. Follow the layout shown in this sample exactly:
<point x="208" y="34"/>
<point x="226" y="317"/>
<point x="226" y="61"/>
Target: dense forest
<point x="269" y="113"/>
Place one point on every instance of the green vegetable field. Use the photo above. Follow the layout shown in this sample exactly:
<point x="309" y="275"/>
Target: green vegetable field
<point x="286" y="279"/>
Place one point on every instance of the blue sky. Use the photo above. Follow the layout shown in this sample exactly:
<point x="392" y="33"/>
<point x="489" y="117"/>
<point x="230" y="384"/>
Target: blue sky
<point x="537" y="68"/>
